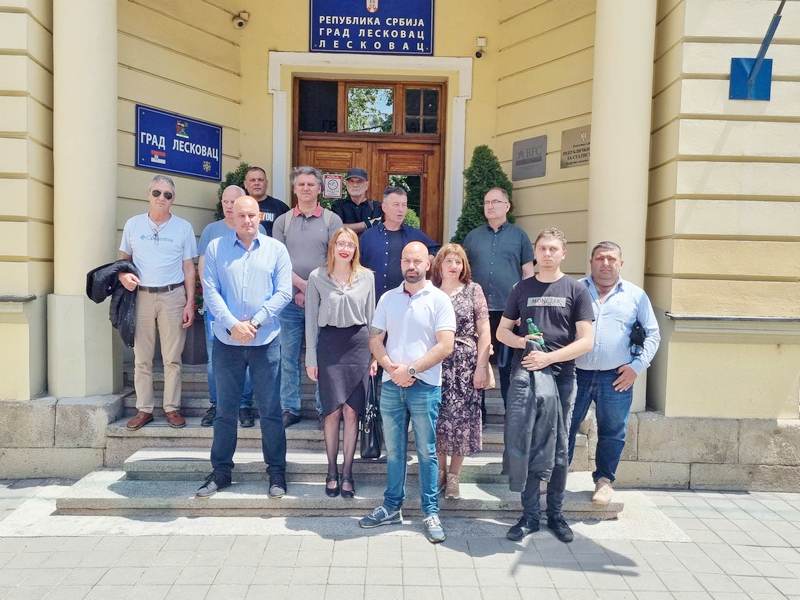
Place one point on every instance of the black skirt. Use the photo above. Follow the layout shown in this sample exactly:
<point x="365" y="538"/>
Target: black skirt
<point x="343" y="359"/>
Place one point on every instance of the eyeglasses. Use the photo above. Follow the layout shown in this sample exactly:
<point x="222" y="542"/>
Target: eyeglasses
<point x="494" y="202"/>
<point x="157" y="193"/>
<point x="346" y="245"/>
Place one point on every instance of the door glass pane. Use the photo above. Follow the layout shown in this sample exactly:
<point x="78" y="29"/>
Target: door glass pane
<point x="370" y="110"/>
<point x="412" y="124"/>
<point x="318" y="100"/>
<point x="413" y="102"/>
<point x="413" y="185"/>
<point x="430" y="105"/>
<point x="422" y="110"/>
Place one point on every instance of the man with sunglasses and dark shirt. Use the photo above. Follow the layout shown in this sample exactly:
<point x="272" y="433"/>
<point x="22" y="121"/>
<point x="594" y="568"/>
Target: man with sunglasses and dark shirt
<point x="163" y="248"/>
<point x="357" y="212"/>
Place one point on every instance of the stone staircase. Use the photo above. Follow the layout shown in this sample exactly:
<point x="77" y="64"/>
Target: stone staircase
<point x="157" y="469"/>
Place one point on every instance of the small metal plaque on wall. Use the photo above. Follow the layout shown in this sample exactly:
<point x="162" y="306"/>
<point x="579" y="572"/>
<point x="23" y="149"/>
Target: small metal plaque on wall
<point x="575" y="146"/>
<point x="529" y="158"/>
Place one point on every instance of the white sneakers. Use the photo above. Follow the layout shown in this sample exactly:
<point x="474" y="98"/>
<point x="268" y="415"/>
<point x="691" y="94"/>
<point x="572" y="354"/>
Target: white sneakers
<point x="602" y="492"/>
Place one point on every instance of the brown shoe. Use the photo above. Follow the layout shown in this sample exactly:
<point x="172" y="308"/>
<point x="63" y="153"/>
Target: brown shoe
<point x="174" y="419"/>
<point x="140" y="420"/>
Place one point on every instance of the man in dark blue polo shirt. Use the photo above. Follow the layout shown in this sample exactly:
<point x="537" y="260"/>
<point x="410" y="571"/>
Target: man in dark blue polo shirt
<point x="500" y="254"/>
<point x="357" y="212"/>
<point x="382" y="244"/>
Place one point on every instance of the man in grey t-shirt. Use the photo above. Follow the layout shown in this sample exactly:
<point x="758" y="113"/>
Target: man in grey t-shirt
<point x="306" y="230"/>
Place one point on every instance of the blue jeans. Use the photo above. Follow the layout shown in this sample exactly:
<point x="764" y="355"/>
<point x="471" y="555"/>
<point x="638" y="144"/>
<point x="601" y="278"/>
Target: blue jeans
<point x="231" y="364"/>
<point x="421" y="401"/>
<point x="612" y="409"/>
<point x="565" y="382"/>
<point x="247" y="391"/>
<point x="293" y="331"/>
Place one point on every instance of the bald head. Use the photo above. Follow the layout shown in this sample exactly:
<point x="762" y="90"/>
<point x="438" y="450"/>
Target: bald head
<point x="229" y="196"/>
<point x="415" y="262"/>
<point x="245" y="217"/>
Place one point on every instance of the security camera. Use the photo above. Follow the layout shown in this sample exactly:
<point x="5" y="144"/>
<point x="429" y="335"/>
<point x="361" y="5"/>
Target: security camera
<point x="241" y="19"/>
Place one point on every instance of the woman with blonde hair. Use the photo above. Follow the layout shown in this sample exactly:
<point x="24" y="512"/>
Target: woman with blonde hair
<point x="340" y="302"/>
<point x="465" y="371"/>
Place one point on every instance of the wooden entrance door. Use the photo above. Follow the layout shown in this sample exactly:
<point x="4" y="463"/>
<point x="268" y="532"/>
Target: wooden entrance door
<point x="415" y="166"/>
<point x="398" y="139"/>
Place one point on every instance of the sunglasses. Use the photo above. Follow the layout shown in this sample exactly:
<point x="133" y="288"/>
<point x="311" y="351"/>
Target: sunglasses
<point x="157" y="193"/>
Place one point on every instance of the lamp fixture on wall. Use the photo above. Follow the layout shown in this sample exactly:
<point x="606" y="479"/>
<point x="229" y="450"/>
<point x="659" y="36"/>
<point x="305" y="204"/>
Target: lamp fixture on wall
<point x="480" y="46"/>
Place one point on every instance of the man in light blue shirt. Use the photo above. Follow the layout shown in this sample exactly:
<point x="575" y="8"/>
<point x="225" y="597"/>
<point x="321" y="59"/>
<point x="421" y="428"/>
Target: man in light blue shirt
<point x="211" y="232"/>
<point x="247" y="281"/>
<point x="606" y="375"/>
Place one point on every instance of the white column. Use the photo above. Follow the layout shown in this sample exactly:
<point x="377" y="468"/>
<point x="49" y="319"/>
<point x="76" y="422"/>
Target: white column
<point x="620" y="152"/>
<point x="85" y="196"/>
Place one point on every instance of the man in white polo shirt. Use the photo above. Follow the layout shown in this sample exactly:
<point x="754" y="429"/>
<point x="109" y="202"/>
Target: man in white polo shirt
<point x="421" y="323"/>
<point x="163" y="248"/>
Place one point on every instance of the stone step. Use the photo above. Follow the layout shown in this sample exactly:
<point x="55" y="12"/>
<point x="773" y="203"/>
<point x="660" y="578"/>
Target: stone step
<point x="194" y="379"/>
<point x="181" y="464"/>
<point x="195" y="404"/>
<point x="305" y="435"/>
<point x="109" y="492"/>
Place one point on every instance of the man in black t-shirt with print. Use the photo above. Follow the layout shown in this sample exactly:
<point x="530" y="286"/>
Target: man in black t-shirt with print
<point x="562" y="309"/>
<point x="255" y="183"/>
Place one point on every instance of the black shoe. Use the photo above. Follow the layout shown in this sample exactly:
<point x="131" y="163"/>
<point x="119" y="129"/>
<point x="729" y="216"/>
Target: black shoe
<point x="246" y="417"/>
<point x="524" y="527"/>
<point x="332" y="492"/>
<point x="212" y="485"/>
<point x="277" y="486"/>
<point x="560" y="528"/>
<point x="208" y="418"/>
<point x="290" y="419"/>
<point x="351" y="493"/>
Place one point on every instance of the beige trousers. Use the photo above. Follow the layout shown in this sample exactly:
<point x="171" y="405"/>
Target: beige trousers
<point x="165" y="311"/>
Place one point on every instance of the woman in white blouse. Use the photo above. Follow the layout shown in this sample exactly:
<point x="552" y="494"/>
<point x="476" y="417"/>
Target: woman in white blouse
<point x="340" y="302"/>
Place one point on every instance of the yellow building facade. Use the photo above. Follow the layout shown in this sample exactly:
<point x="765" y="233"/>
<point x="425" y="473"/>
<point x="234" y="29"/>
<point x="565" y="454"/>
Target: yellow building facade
<point x="702" y="192"/>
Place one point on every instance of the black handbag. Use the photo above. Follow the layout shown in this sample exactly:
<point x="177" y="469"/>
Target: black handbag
<point x="371" y="426"/>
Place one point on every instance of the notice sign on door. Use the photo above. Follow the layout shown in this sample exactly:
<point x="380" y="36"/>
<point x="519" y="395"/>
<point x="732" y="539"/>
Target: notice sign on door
<point x="575" y="146"/>
<point x="332" y="185"/>
<point x="173" y="143"/>
<point x="372" y="26"/>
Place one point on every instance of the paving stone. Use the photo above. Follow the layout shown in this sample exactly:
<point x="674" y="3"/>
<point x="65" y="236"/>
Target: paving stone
<point x="387" y="592"/>
<point x="273" y="592"/>
<point x="227" y="591"/>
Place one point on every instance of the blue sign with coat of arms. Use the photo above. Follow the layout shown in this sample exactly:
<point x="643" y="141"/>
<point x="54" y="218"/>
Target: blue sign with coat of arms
<point x="372" y="26"/>
<point x="174" y="143"/>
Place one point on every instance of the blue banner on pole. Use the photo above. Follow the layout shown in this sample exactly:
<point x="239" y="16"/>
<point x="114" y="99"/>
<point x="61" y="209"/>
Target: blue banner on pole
<point x="173" y="143"/>
<point x="372" y="26"/>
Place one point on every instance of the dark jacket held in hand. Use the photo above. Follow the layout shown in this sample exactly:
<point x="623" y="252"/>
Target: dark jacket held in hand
<point x="103" y="282"/>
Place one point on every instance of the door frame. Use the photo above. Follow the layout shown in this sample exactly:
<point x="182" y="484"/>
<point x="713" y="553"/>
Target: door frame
<point x="285" y="66"/>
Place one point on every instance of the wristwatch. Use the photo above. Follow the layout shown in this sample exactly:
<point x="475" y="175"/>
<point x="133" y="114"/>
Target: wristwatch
<point x="412" y="371"/>
<point x="256" y="325"/>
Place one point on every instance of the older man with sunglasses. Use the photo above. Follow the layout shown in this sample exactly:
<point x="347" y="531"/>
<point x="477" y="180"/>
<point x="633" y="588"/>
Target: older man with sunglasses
<point x="163" y="248"/>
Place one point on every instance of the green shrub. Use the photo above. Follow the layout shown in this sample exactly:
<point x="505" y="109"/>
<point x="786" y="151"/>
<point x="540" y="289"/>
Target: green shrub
<point x="484" y="173"/>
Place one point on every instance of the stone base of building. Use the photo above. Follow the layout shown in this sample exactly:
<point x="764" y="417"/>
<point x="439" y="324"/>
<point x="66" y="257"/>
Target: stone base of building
<point x="67" y="437"/>
<point x="55" y="437"/>
<point x="707" y="453"/>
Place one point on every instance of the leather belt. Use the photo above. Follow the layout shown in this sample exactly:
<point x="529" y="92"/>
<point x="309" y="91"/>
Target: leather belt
<point x="163" y="288"/>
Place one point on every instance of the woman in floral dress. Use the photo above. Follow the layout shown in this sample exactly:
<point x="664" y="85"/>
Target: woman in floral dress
<point x="464" y="372"/>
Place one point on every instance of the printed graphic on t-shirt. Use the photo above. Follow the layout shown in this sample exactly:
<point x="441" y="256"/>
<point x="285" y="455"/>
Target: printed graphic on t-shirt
<point x="266" y="217"/>
<point x="547" y="301"/>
